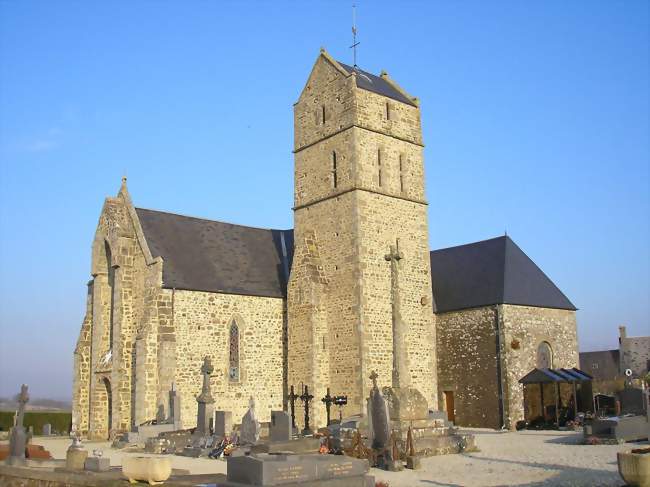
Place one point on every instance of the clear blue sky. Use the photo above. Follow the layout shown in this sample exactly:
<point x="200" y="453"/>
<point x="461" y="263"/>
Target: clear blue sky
<point x="535" y="119"/>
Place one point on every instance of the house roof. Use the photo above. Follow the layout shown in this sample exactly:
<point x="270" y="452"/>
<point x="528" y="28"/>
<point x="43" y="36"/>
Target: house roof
<point x="602" y="364"/>
<point x="206" y="255"/>
<point x="376" y="84"/>
<point x="494" y="271"/>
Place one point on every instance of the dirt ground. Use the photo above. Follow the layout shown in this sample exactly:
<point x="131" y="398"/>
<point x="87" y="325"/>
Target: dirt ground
<point x="531" y="458"/>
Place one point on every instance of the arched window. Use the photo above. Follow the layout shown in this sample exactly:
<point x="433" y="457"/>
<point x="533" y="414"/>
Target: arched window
<point x="544" y="356"/>
<point x="334" y="173"/>
<point x="401" y="173"/>
<point x="233" y="358"/>
<point x="387" y="111"/>
<point x="111" y="289"/>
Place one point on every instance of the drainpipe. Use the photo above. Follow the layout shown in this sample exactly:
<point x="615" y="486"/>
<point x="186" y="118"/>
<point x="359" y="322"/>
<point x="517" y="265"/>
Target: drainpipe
<point x="497" y="326"/>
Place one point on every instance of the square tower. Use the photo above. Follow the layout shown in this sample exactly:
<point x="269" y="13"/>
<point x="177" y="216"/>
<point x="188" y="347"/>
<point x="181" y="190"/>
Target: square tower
<point x="359" y="188"/>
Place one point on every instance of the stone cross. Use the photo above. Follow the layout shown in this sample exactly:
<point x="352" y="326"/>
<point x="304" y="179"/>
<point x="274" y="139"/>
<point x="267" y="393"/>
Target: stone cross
<point x="205" y="411"/>
<point x="23" y="398"/>
<point x="18" y="437"/>
<point x="401" y="374"/>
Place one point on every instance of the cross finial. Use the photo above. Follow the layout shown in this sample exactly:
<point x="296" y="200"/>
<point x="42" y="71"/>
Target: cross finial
<point x="24" y="397"/>
<point x="207" y="368"/>
<point x="354" y="34"/>
<point x="373" y="378"/>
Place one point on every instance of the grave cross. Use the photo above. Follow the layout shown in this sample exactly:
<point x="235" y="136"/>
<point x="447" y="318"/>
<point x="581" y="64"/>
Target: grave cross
<point x="23" y="398"/>
<point x="292" y="402"/>
<point x="328" y="400"/>
<point x="306" y="398"/>
<point x="206" y="370"/>
<point x="401" y="375"/>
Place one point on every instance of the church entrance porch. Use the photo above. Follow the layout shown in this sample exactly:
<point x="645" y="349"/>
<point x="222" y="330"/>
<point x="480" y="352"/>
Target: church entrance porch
<point x="101" y="410"/>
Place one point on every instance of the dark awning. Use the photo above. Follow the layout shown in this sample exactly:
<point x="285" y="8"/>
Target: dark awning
<point x="543" y="376"/>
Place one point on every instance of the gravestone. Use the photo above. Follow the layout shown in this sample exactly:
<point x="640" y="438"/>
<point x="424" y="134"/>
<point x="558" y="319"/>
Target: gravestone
<point x="206" y="401"/>
<point x="75" y="456"/>
<point x="308" y="470"/>
<point x="174" y="408"/>
<point x="378" y="417"/>
<point x="97" y="464"/>
<point x="47" y="429"/>
<point x="18" y="437"/>
<point x="250" y="427"/>
<point x="222" y="423"/>
<point x="280" y="429"/>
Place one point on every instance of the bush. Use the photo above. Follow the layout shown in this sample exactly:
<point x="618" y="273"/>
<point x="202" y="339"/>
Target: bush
<point x="61" y="421"/>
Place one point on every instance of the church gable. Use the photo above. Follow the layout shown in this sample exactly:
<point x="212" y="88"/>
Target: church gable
<point x="205" y="255"/>
<point x="494" y="271"/>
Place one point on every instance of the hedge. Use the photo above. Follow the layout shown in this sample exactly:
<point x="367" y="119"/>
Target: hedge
<point x="61" y="421"/>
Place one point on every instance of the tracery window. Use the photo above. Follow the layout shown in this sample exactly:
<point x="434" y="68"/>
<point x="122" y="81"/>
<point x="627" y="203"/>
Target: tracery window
<point x="233" y="358"/>
<point x="544" y="356"/>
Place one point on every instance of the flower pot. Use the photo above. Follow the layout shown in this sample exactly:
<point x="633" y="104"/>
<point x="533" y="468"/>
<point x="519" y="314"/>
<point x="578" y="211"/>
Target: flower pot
<point x="635" y="468"/>
<point x="154" y="470"/>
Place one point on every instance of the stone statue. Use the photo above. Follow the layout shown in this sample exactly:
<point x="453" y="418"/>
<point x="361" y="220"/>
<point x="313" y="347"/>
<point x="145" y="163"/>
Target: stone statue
<point x="250" y="426"/>
<point x="18" y="437"/>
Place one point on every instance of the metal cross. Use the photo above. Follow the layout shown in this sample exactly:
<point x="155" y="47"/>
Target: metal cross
<point x="306" y="398"/>
<point x="292" y="402"/>
<point x="328" y="400"/>
<point x="354" y="34"/>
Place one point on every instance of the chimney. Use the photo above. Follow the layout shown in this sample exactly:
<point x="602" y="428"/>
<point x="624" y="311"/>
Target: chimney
<point x="622" y="333"/>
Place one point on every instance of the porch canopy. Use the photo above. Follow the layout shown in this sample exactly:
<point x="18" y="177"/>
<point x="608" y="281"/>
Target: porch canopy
<point x="572" y="376"/>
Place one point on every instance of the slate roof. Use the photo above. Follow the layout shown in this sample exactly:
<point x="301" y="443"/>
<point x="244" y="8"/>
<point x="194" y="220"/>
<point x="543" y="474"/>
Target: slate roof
<point x="376" y="84"/>
<point x="494" y="271"/>
<point x="544" y="376"/>
<point x="206" y="255"/>
<point x="603" y="364"/>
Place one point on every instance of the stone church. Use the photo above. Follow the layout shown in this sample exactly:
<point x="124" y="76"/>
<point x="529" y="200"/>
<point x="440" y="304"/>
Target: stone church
<point x="312" y="305"/>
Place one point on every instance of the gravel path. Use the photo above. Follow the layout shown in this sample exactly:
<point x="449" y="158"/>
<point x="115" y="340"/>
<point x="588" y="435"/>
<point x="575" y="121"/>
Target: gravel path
<point x="531" y="458"/>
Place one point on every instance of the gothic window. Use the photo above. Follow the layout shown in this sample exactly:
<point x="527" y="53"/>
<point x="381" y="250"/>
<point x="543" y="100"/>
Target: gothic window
<point x="334" y="174"/>
<point x="323" y="110"/>
<point x="233" y="358"/>
<point x="544" y="356"/>
<point x="379" y="166"/>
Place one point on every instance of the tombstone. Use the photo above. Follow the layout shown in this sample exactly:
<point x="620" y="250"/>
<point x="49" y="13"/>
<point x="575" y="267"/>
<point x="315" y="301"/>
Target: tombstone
<point x="378" y="418"/>
<point x="280" y="429"/>
<point x="174" y="408"/>
<point x="250" y="427"/>
<point x="97" y="464"/>
<point x="18" y="438"/>
<point x="47" y="429"/>
<point x="75" y="456"/>
<point x="222" y="423"/>
<point x="205" y="410"/>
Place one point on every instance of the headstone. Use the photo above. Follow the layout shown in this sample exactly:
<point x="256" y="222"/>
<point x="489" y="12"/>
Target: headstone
<point x="205" y="400"/>
<point x="174" y="408"/>
<point x="18" y="437"/>
<point x="250" y="426"/>
<point x="222" y="423"/>
<point x="75" y="457"/>
<point x="378" y="417"/>
<point x="264" y="469"/>
<point x="280" y="429"/>
<point x="47" y="429"/>
<point x="97" y="464"/>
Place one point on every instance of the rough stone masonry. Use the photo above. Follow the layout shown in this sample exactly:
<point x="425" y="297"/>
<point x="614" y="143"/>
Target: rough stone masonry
<point x="312" y="305"/>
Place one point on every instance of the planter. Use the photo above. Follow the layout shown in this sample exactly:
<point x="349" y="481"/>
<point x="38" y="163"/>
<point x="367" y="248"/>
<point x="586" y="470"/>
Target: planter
<point x="634" y="467"/>
<point x="154" y="470"/>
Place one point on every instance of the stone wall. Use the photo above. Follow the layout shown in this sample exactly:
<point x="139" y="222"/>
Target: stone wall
<point x="635" y="353"/>
<point x="467" y="365"/>
<point x="202" y="322"/>
<point x="527" y="327"/>
<point x="339" y="307"/>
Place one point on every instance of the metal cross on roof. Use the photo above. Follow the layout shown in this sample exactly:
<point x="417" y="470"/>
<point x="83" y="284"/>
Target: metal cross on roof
<point x="354" y="35"/>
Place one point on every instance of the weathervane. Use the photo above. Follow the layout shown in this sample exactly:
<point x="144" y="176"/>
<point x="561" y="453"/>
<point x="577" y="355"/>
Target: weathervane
<point x="354" y="34"/>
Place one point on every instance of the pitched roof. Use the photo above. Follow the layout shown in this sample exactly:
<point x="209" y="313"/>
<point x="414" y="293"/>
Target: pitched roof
<point x="376" y="84"/>
<point x="602" y="364"/>
<point x="205" y="255"/>
<point x="494" y="271"/>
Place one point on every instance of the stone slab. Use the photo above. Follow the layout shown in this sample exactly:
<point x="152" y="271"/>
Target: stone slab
<point x="280" y="428"/>
<point x="272" y="470"/>
<point x="297" y="446"/>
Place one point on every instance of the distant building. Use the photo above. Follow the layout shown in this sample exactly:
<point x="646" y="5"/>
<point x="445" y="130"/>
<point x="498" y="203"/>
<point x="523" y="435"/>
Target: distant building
<point x="635" y="353"/>
<point x="601" y="365"/>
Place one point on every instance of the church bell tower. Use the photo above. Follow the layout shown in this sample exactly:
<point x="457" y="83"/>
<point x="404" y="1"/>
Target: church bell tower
<point x="359" y="190"/>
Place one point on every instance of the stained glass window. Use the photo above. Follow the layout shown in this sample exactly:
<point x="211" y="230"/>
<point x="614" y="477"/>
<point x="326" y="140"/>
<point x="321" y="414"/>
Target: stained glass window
<point x="233" y="362"/>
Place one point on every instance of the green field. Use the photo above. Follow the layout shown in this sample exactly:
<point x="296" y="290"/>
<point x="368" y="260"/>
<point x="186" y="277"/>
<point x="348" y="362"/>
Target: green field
<point x="61" y="421"/>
